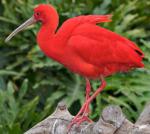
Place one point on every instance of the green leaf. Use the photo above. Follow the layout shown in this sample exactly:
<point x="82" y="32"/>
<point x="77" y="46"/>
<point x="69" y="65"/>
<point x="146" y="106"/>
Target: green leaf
<point x="23" y="89"/>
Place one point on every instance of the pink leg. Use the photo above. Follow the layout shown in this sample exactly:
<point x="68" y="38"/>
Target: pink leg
<point x="84" y="111"/>
<point x="102" y="86"/>
<point x="88" y="89"/>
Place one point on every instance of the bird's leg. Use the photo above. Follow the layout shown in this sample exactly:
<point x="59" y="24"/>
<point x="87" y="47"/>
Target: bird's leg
<point x="84" y="111"/>
<point x="102" y="86"/>
<point x="78" y="118"/>
<point x="88" y="89"/>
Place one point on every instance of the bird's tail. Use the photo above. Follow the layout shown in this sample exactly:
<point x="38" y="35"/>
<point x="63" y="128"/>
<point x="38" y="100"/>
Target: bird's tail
<point x="140" y="54"/>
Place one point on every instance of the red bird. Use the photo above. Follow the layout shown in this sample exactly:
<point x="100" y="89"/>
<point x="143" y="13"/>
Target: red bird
<point x="84" y="48"/>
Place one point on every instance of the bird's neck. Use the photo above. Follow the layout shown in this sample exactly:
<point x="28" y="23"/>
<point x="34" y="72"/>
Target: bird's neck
<point x="46" y="39"/>
<point x="45" y="35"/>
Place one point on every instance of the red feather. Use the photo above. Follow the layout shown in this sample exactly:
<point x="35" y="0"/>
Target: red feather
<point x="84" y="48"/>
<point x="94" y="50"/>
<point x="87" y="49"/>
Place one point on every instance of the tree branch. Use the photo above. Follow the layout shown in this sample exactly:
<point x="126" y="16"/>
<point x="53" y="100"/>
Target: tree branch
<point x="112" y="121"/>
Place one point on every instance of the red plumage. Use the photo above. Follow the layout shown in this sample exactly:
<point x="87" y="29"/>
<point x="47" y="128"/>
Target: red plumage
<point x="84" y="48"/>
<point x="88" y="49"/>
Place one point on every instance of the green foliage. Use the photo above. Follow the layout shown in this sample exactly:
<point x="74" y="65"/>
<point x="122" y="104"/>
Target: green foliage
<point x="31" y="84"/>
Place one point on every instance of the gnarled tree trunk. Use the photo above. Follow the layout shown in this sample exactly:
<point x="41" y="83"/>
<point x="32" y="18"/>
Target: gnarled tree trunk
<point x="112" y="121"/>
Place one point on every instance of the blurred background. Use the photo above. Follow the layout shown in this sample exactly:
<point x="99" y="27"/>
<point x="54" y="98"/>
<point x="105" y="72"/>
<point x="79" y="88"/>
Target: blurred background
<point x="31" y="85"/>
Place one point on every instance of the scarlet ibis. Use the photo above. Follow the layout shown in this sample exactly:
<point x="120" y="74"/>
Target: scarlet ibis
<point x="84" y="48"/>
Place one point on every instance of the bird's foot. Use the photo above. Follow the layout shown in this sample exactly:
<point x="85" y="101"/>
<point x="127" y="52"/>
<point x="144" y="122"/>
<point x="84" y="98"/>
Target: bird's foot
<point x="79" y="120"/>
<point x="82" y="116"/>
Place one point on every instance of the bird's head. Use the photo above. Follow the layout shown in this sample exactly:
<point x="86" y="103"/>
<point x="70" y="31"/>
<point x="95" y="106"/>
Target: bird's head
<point x="44" y="13"/>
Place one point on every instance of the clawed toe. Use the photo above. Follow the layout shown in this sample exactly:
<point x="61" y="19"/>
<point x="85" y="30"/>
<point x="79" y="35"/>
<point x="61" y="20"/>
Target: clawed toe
<point x="81" y="117"/>
<point x="78" y="121"/>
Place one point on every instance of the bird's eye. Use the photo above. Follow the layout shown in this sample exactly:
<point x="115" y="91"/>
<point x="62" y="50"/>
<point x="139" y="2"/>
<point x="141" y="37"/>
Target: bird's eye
<point x="38" y="13"/>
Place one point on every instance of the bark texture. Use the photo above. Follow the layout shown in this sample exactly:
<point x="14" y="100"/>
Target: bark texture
<point x="112" y="121"/>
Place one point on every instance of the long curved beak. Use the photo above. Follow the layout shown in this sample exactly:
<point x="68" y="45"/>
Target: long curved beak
<point x="27" y="23"/>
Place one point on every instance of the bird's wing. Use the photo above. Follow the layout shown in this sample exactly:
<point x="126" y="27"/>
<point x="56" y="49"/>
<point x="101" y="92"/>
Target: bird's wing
<point x="71" y="24"/>
<point x="99" y="46"/>
<point x="94" y="19"/>
<point x="96" y="45"/>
